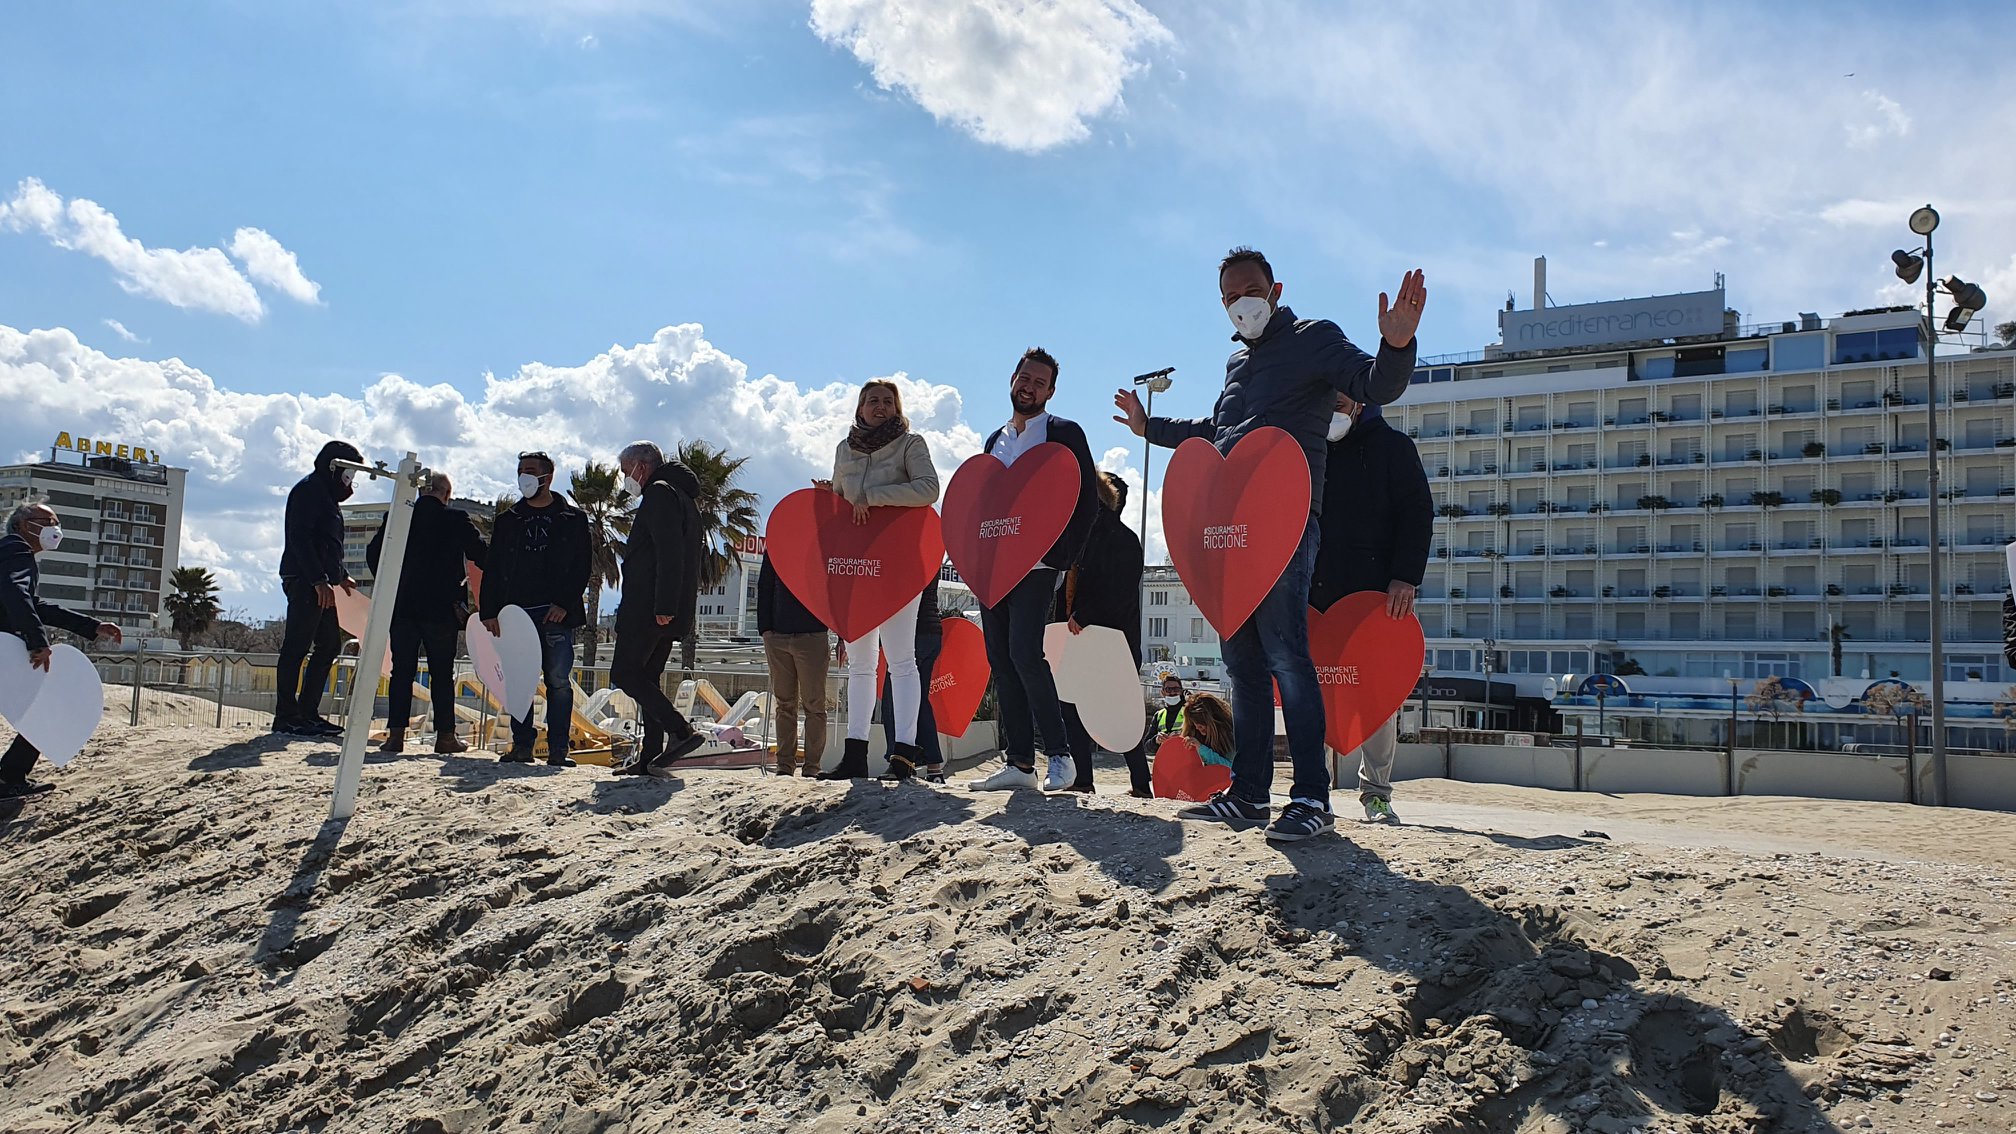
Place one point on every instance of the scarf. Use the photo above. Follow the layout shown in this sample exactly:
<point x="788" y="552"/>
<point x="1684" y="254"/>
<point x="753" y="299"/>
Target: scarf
<point x="862" y="439"/>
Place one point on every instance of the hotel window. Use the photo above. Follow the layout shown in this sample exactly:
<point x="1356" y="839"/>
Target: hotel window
<point x="1158" y="628"/>
<point x="1876" y="346"/>
<point x="1196" y="629"/>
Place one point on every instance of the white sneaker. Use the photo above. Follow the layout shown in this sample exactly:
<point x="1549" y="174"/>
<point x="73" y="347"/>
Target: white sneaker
<point x="1063" y="773"/>
<point x="1008" y="778"/>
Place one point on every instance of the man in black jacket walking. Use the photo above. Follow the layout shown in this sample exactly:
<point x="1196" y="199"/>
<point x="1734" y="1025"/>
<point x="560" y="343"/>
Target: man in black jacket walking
<point x="425" y="613"/>
<point x="1105" y="590"/>
<point x="539" y="560"/>
<point x="1285" y="373"/>
<point x="661" y="595"/>
<point x="31" y="530"/>
<point x="800" y="658"/>
<point x="311" y="568"/>
<point x="1378" y="543"/>
<point x="1023" y="683"/>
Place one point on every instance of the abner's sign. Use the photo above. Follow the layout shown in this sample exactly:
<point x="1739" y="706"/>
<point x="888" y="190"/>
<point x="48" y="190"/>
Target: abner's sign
<point x="1618" y="321"/>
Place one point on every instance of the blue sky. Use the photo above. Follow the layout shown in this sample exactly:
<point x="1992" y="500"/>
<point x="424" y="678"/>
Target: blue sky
<point x="483" y="199"/>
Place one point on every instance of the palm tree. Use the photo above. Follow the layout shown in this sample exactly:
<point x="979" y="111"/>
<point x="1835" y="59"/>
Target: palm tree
<point x="486" y="524"/>
<point x="727" y="517"/>
<point x="598" y="492"/>
<point x="192" y="602"/>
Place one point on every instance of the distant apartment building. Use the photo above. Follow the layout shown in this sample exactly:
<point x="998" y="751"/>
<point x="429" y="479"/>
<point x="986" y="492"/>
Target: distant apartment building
<point x="121" y="508"/>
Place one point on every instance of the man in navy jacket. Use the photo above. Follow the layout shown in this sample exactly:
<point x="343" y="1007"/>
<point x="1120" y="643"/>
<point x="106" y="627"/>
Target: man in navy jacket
<point x="1287" y="373"/>
<point x="311" y="568"/>
<point x="1023" y="684"/>
<point x="31" y="530"/>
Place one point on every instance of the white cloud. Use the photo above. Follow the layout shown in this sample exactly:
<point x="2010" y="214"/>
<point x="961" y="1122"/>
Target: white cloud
<point x="244" y="450"/>
<point x="1885" y="120"/>
<point x="267" y="262"/>
<point x="119" y="329"/>
<point x="201" y="279"/>
<point x="1020" y="74"/>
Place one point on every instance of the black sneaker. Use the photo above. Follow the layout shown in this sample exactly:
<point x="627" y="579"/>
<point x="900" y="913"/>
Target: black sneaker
<point x="1300" y="821"/>
<point x="319" y="726"/>
<point x="679" y="750"/>
<point x="1226" y="808"/>
<point x="633" y="768"/>
<point x="516" y="755"/>
<point x="561" y="760"/>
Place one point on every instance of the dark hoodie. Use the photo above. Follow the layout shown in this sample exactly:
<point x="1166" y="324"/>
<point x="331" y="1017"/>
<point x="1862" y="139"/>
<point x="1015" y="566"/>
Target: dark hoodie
<point x="1382" y="516"/>
<point x="314" y="523"/>
<point x="1290" y="378"/>
<point x="1105" y="588"/>
<point x="661" y="562"/>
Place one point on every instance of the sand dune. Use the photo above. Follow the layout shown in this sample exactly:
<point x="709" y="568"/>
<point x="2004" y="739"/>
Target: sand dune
<point x="520" y="949"/>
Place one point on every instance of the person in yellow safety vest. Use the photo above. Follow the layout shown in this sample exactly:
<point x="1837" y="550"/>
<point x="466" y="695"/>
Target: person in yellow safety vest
<point x="1169" y="714"/>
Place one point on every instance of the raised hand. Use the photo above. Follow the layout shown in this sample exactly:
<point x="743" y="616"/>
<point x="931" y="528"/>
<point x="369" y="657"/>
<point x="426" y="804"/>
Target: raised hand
<point x="1131" y="414"/>
<point x="1398" y="322"/>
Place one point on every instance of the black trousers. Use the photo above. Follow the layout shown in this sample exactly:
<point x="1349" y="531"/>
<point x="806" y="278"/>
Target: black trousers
<point x="311" y="635"/>
<point x="929" y="646"/>
<point x="18" y="761"/>
<point x="1081" y="741"/>
<point x="637" y="668"/>
<point x="409" y="637"/>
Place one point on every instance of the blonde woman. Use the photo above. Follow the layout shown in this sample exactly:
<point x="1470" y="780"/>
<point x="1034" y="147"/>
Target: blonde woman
<point x="882" y="464"/>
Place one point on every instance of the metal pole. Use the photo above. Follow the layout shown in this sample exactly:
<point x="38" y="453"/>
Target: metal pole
<point x="1932" y="529"/>
<point x="1729" y="769"/>
<point x="1147" y="468"/>
<point x="220" y="692"/>
<point x="377" y="632"/>
<point x="139" y="680"/>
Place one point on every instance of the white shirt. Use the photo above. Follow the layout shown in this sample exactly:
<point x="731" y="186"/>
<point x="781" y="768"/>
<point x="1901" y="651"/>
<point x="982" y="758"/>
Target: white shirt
<point x="1013" y="444"/>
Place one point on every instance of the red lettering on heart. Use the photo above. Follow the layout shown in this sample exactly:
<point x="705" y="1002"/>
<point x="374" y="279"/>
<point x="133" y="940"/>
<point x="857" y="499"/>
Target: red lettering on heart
<point x="852" y="576"/>
<point x="1366" y="665"/>
<point x="1233" y="523"/>
<point x="1001" y="520"/>
<point x="1181" y="773"/>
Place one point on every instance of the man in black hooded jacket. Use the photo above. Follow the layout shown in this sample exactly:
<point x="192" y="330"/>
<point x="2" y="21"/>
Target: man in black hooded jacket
<point x="311" y="568"/>
<point x="1378" y="542"/>
<point x="661" y="595"/>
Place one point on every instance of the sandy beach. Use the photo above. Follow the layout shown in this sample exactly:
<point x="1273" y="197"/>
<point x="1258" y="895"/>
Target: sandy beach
<point x="503" y="948"/>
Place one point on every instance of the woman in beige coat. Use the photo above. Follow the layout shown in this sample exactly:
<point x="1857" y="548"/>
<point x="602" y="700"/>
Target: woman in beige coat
<point x="882" y="464"/>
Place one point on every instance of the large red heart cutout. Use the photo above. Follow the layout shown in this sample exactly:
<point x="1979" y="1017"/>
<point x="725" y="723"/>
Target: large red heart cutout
<point x="1366" y="664"/>
<point x="852" y="576"/>
<point x="1001" y="520"/>
<point x="1233" y="523"/>
<point x="958" y="677"/>
<point x="1181" y="773"/>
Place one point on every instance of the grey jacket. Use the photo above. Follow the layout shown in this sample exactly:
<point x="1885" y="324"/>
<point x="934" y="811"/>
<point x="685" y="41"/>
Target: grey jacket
<point x="1290" y="378"/>
<point x="899" y="474"/>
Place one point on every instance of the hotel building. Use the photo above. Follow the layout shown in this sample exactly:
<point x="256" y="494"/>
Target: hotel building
<point x="122" y="526"/>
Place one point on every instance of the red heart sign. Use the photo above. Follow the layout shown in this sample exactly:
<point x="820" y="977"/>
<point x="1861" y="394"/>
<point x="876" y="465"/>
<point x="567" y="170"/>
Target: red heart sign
<point x="1001" y="520"/>
<point x="1366" y="664"/>
<point x="1234" y="522"/>
<point x="852" y="576"/>
<point x="1181" y="773"/>
<point x="958" y="678"/>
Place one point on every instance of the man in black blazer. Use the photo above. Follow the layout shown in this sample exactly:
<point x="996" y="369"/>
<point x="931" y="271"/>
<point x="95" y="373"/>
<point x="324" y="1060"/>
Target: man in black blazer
<point x="31" y="530"/>
<point x="1014" y="626"/>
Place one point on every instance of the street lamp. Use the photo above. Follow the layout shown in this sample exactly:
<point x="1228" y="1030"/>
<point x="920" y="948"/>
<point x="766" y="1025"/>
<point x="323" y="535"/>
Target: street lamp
<point x="1157" y="382"/>
<point x="1967" y="300"/>
<point x="1729" y="769"/>
<point x="1490" y="650"/>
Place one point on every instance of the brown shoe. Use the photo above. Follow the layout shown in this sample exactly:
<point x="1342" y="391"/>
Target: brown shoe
<point x="785" y="766"/>
<point x="394" y="742"/>
<point x="447" y="744"/>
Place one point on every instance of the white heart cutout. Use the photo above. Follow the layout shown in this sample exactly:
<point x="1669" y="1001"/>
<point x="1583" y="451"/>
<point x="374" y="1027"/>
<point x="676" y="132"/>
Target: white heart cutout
<point x="508" y="664"/>
<point x="1095" y="671"/>
<point x="353" y="611"/>
<point x="67" y="702"/>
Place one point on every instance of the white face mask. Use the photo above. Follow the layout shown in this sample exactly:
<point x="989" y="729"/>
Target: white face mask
<point x="631" y="486"/>
<point x="1172" y="702"/>
<point x="1340" y="424"/>
<point x="1250" y="314"/>
<point x="347" y="476"/>
<point x="52" y="537"/>
<point x="528" y="485"/>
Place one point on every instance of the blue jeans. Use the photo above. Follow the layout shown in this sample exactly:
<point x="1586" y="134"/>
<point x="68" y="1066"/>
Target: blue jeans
<point x="556" y="662"/>
<point x="1273" y="647"/>
<point x="1025" y="689"/>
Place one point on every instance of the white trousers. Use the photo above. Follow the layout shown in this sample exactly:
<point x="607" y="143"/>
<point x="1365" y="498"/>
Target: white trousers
<point x="896" y="640"/>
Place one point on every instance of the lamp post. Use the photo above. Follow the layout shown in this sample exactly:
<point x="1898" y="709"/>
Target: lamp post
<point x="1967" y="300"/>
<point x="1156" y="382"/>
<point x="1490" y="650"/>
